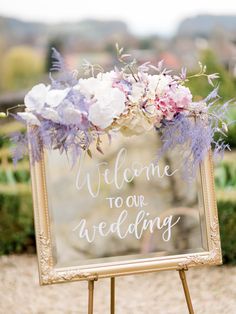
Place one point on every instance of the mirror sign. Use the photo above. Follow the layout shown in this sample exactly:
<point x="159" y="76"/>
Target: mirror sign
<point x="120" y="214"/>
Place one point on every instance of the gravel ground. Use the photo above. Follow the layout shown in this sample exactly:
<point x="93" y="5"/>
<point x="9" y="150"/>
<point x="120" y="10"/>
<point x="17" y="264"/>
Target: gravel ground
<point x="213" y="291"/>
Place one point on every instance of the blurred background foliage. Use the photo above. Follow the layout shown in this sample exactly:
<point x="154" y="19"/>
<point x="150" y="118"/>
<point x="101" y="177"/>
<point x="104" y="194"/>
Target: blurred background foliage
<point x="25" y="60"/>
<point x="21" y="68"/>
<point x="16" y="214"/>
<point x="227" y="216"/>
<point x="227" y="84"/>
<point x="227" y="89"/>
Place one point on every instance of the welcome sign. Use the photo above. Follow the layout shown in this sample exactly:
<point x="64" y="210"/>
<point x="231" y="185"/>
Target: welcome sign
<point x="120" y="178"/>
<point x="122" y="212"/>
<point x="133" y="205"/>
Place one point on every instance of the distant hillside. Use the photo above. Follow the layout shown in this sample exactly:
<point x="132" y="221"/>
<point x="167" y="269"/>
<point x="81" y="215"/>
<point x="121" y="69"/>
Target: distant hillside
<point x="15" y="31"/>
<point x="205" y="25"/>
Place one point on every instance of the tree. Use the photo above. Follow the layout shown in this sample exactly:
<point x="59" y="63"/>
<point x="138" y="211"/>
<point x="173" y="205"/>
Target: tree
<point x="227" y="89"/>
<point x="201" y="88"/>
<point x="22" y="67"/>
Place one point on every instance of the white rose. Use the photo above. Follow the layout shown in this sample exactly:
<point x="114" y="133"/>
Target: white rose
<point x="137" y="92"/>
<point x="29" y="118"/>
<point x="87" y="86"/>
<point x="157" y="85"/>
<point x="35" y="99"/>
<point x="135" y="122"/>
<point x="56" y="96"/>
<point x="109" y="105"/>
<point x="91" y="86"/>
<point x="107" y="77"/>
<point x="41" y="94"/>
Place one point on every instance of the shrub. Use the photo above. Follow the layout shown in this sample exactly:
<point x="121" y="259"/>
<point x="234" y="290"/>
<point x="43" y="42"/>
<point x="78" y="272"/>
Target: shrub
<point x="225" y="175"/>
<point x="22" y="67"/>
<point x="227" y="89"/>
<point x="16" y="228"/>
<point x="231" y="135"/>
<point x="227" y="218"/>
<point x="16" y="210"/>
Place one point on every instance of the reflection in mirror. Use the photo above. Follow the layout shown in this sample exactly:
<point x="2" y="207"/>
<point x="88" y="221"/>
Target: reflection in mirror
<point x="122" y="205"/>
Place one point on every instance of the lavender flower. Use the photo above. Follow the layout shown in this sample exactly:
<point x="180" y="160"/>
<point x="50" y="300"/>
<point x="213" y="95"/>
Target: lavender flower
<point x="71" y="112"/>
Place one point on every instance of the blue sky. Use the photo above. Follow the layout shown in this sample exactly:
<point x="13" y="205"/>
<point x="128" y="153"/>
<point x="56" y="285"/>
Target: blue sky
<point x="143" y="17"/>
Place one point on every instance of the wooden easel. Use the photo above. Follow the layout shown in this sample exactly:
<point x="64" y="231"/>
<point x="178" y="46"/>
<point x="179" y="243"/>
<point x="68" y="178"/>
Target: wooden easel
<point x="182" y="275"/>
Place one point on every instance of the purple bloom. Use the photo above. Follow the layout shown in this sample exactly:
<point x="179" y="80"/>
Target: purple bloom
<point x="71" y="113"/>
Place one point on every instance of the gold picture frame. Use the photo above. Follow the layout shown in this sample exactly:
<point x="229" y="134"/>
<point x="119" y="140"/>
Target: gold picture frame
<point x="49" y="274"/>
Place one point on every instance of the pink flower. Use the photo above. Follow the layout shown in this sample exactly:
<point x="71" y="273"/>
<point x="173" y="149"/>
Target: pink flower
<point x="182" y="96"/>
<point x="168" y="107"/>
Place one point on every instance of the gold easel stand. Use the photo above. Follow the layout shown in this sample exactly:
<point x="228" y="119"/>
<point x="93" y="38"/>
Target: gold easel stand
<point x="91" y="295"/>
<point x="186" y="290"/>
<point x="112" y="296"/>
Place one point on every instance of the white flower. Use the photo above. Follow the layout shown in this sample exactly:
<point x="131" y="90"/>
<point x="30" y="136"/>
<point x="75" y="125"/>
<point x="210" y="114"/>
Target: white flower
<point x="87" y="86"/>
<point x="107" y="77"/>
<point x="56" y="96"/>
<point x="92" y="86"/>
<point x="35" y="99"/>
<point x="50" y="114"/>
<point x="109" y="105"/>
<point x="157" y="85"/>
<point x="29" y="118"/>
<point x="181" y="96"/>
<point x="69" y="114"/>
<point x="135" y="122"/>
<point x="137" y="92"/>
<point x="41" y="94"/>
<point x="151" y="109"/>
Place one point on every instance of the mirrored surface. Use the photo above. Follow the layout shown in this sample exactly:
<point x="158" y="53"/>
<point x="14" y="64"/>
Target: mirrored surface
<point x="122" y="205"/>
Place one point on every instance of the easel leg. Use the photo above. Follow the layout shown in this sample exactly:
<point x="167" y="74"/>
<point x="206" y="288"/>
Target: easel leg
<point x="90" y="296"/>
<point x="112" y="295"/>
<point x="186" y="290"/>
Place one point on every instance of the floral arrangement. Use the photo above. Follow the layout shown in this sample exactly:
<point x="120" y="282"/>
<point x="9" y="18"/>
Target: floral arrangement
<point x="72" y="112"/>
